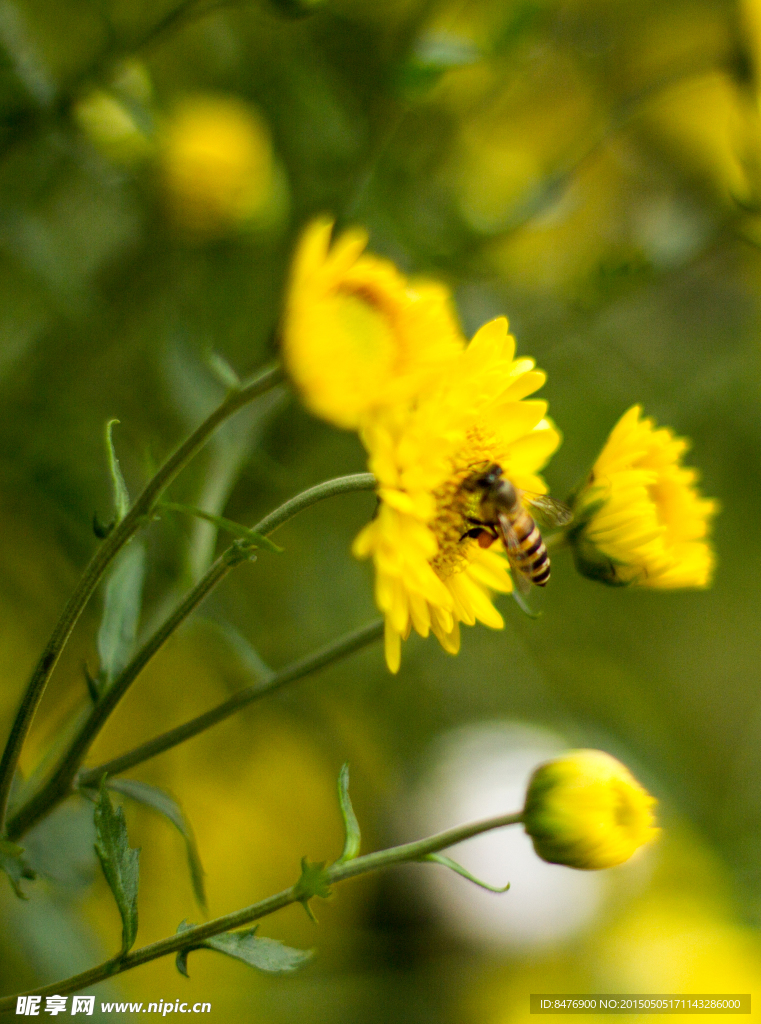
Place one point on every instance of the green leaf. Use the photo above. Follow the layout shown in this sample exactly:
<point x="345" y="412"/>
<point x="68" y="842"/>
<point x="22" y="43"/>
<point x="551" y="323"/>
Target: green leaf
<point x="14" y="865"/>
<point x="242" y="649"/>
<point x="236" y="529"/>
<point x="159" y="800"/>
<point x="119" y="861"/>
<point x="223" y="372"/>
<point x="121" y="497"/>
<point x="264" y="954"/>
<point x="121" y="612"/>
<point x="523" y="604"/>
<point x="433" y="55"/>
<point x="351" y="825"/>
<point x="447" y="862"/>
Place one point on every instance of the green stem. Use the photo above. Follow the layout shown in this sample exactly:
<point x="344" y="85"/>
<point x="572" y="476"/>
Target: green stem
<point x="407" y="853"/>
<point x="60" y="783"/>
<point x="100" y="561"/>
<point x="304" y="666"/>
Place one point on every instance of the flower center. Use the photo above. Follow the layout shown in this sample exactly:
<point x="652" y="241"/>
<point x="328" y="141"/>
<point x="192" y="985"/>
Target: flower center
<point x="455" y="506"/>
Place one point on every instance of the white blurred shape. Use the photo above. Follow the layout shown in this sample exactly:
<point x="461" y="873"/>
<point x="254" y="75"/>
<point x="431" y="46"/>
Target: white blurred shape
<point x="481" y="771"/>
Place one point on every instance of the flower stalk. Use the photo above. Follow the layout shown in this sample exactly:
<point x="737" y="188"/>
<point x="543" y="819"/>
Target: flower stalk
<point x="60" y="783"/>
<point x="104" y="555"/>
<point x="338" y="872"/>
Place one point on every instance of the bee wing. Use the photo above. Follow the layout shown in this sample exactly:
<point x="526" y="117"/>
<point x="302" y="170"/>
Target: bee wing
<point x="546" y="510"/>
<point x="513" y="550"/>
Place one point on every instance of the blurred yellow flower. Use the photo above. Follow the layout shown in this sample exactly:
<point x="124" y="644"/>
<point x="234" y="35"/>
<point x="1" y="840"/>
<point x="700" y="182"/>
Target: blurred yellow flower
<point x="217" y="164"/>
<point x="586" y="810"/>
<point x="472" y="412"/>
<point x="357" y="335"/>
<point x="640" y="517"/>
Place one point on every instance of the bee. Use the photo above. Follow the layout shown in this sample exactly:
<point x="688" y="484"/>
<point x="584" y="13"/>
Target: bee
<point x="502" y="515"/>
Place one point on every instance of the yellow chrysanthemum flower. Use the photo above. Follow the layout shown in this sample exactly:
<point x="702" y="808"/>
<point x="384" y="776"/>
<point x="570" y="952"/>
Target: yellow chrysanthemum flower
<point x="640" y="517"/>
<point x="217" y="164"/>
<point x="471" y="413"/>
<point x="357" y="335"/>
<point x="586" y="810"/>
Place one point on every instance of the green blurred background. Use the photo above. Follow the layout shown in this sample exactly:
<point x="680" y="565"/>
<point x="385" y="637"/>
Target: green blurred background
<point x="590" y="168"/>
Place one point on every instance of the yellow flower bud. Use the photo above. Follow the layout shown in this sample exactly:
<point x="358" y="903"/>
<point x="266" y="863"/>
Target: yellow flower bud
<point x="640" y="518"/>
<point x="586" y="810"/>
<point x="217" y="165"/>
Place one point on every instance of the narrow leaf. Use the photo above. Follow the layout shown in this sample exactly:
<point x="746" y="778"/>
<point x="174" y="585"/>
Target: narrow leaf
<point x="236" y="529"/>
<point x="14" y="865"/>
<point x="121" y="497"/>
<point x="242" y="649"/>
<point x="119" y="861"/>
<point x="351" y="825"/>
<point x="121" y="611"/>
<point x="264" y="954"/>
<point x="159" y="800"/>
<point x="432" y="56"/>
<point x="223" y="372"/>
<point x="523" y="604"/>
<point x="447" y="862"/>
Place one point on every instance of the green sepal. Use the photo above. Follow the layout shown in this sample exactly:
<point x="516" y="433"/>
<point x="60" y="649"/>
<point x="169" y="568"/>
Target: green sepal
<point x="236" y="529"/>
<point x="161" y="801"/>
<point x="121" y="497"/>
<point x="120" y="863"/>
<point x="264" y="954"/>
<point x="14" y="865"/>
<point x="313" y="882"/>
<point x="447" y="862"/>
<point x="351" y="825"/>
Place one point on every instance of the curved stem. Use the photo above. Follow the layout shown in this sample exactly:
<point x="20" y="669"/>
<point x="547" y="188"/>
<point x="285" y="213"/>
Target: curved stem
<point x="60" y="783"/>
<point x="173" y="737"/>
<point x="100" y="561"/>
<point x="407" y="853"/>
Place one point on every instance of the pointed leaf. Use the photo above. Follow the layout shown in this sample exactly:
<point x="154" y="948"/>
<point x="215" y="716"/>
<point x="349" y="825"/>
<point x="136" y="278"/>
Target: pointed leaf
<point x="159" y="800"/>
<point x="523" y="604"/>
<point x="222" y="370"/>
<point x="236" y="529"/>
<point x="243" y="650"/>
<point x="13" y="863"/>
<point x="351" y="825"/>
<point x="121" y="611"/>
<point x="121" y="497"/>
<point x="264" y="954"/>
<point x="447" y="862"/>
<point x="119" y="861"/>
<point x="433" y="55"/>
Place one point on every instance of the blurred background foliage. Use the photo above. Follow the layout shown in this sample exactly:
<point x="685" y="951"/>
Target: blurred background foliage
<point x="592" y="169"/>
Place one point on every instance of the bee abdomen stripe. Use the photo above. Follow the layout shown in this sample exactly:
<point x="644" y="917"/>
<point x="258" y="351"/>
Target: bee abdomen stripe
<point x="531" y="544"/>
<point x="524" y="527"/>
<point x="541" y="577"/>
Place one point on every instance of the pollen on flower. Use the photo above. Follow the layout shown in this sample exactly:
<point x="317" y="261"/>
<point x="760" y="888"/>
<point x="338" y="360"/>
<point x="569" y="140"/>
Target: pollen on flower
<point x="472" y="412"/>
